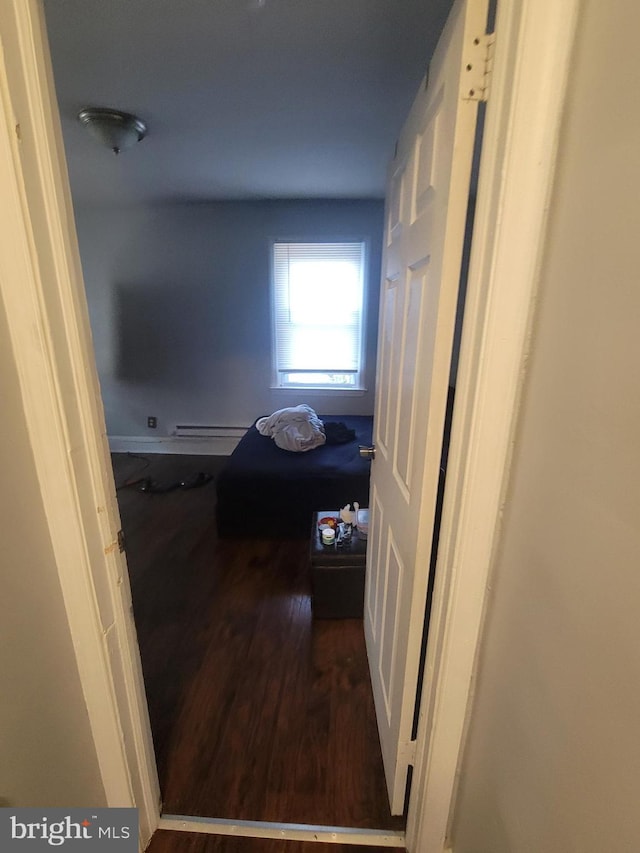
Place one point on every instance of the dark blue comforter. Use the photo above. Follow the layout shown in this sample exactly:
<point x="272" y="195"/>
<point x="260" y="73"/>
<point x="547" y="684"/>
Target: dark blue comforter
<point x="266" y="491"/>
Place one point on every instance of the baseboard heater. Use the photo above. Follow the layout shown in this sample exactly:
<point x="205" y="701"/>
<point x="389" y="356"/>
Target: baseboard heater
<point x="206" y="431"/>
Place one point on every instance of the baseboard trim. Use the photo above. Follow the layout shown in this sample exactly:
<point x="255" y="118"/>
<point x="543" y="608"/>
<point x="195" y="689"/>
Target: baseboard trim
<point x="206" y="446"/>
<point x="287" y="831"/>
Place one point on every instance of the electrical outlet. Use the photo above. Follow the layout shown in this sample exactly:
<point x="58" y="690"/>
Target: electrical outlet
<point x="152" y="422"/>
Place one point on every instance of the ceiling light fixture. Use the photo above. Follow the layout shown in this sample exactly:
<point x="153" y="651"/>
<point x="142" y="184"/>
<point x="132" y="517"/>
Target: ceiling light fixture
<point x="115" y="129"/>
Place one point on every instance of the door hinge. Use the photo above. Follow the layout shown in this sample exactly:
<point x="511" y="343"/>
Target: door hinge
<point x="477" y="66"/>
<point x="121" y="542"/>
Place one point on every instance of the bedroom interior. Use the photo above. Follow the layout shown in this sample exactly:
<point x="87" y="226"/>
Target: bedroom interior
<point x="549" y="775"/>
<point x="174" y="238"/>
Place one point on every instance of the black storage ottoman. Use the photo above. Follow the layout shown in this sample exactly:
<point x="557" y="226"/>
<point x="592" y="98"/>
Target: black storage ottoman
<point x="337" y="575"/>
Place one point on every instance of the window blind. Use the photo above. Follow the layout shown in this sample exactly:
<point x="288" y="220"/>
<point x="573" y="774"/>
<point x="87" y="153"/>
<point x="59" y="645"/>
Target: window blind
<point x="318" y="308"/>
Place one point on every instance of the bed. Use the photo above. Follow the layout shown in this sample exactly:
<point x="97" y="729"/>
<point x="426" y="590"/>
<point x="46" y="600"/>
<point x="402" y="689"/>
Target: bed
<point x="264" y="491"/>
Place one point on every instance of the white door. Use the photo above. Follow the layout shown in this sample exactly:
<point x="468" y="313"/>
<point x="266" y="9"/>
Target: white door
<point x="427" y="199"/>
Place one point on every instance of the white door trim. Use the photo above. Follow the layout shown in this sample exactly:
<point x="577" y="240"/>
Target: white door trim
<point x="42" y="291"/>
<point x="533" y="46"/>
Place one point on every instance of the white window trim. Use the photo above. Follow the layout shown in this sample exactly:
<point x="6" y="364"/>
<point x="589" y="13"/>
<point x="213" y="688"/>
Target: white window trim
<point x="359" y="389"/>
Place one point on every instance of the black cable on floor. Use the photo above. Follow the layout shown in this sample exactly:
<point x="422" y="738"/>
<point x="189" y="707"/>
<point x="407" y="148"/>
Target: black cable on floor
<point x="130" y="481"/>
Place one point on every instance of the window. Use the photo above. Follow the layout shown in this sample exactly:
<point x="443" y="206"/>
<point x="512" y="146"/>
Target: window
<point x="318" y="297"/>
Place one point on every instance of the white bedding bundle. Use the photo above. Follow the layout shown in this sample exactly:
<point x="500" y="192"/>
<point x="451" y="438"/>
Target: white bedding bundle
<point x="296" y="428"/>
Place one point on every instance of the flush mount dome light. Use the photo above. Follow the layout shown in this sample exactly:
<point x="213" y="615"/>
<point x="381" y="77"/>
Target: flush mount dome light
<point x="115" y="129"/>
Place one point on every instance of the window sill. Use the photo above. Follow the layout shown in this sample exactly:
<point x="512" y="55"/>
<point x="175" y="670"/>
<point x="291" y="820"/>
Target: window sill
<point x="321" y="392"/>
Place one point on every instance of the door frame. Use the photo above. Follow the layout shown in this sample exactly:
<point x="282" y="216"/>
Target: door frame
<point x="529" y="76"/>
<point x="42" y="289"/>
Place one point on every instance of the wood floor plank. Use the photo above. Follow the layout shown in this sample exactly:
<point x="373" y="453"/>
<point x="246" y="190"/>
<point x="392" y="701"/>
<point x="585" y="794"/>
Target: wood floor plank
<point x="258" y="712"/>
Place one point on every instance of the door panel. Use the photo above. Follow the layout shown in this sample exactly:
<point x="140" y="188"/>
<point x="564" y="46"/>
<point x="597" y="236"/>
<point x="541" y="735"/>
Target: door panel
<point x="372" y="599"/>
<point x="427" y="199"/>
<point x="390" y="606"/>
<point x="406" y="405"/>
<point x="386" y="366"/>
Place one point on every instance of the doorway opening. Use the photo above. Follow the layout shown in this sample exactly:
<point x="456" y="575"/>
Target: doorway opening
<point x="258" y="711"/>
<point x="534" y="197"/>
<point x="257" y="558"/>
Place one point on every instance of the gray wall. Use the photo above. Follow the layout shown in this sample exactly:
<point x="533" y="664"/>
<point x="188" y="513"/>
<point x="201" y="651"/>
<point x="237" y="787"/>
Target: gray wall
<point x="179" y="302"/>
<point x="47" y="756"/>
<point x="553" y="757"/>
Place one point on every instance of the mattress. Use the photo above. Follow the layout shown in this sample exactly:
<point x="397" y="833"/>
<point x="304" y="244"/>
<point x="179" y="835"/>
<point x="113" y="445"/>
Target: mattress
<point x="264" y="491"/>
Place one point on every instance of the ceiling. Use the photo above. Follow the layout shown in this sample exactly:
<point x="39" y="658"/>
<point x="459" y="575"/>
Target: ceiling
<point x="243" y="98"/>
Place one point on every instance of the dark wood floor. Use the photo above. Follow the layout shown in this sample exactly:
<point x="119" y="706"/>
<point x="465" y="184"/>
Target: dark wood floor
<point x="258" y="712"/>
<point x="167" y="841"/>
